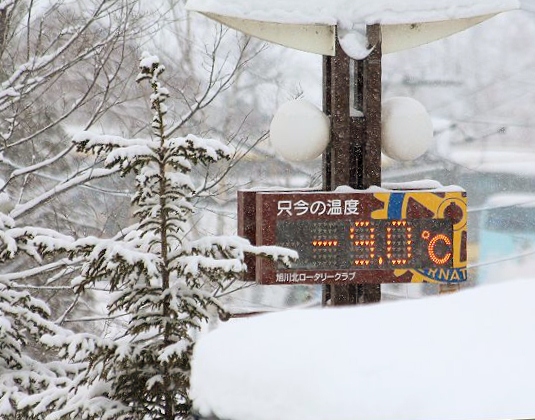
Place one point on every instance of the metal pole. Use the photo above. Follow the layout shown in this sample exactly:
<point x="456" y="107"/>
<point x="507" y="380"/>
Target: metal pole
<point x="354" y="154"/>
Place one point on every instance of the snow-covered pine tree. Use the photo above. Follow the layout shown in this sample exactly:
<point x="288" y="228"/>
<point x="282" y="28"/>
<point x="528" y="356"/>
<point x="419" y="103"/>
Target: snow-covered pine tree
<point x="24" y="319"/>
<point x="160" y="277"/>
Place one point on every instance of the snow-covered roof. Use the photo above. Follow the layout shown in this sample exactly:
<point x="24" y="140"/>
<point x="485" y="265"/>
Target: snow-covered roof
<point x="408" y="18"/>
<point x="510" y="200"/>
<point x="504" y="161"/>
<point x="444" y="358"/>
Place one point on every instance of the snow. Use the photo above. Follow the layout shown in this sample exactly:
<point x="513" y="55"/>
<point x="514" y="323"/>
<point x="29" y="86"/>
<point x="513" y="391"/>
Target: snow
<point x="467" y="355"/>
<point x="351" y="16"/>
<point x="349" y="12"/>
<point x="420" y="185"/>
<point x="512" y="199"/>
<point x="504" y="160"/>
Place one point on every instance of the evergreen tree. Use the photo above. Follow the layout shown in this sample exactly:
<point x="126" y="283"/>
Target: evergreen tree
<point x="24" y="319"/>
<point x="160" y="277"/>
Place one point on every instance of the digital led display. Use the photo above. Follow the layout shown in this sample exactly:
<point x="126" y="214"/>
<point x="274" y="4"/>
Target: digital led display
<point x="370" y="244"/>
<point x="358" y="237"/>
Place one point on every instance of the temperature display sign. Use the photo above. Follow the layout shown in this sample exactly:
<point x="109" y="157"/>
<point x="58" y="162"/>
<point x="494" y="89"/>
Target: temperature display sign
<point x="358" y="237"/>
<point x="371" y="244"/>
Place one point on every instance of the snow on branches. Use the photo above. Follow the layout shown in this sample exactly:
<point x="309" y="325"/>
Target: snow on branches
<point x="25" y="381"/>
<point x="163" y="280"/>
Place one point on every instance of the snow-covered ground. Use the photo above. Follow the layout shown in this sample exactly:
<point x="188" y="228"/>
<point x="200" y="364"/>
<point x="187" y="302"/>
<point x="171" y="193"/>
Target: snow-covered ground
<point x="467" y="355"/>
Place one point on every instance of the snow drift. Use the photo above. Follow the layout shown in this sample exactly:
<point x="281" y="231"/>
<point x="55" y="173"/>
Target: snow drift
<point x="467" y="355"/>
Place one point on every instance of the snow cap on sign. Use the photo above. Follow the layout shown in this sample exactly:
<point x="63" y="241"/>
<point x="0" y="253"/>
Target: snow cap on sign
<point x="346" y="13"/>
<point x="351" y="16"/>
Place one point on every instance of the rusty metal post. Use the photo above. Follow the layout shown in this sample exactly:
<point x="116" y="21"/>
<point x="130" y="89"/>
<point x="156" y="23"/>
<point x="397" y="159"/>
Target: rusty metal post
<point x="354" y="154"/>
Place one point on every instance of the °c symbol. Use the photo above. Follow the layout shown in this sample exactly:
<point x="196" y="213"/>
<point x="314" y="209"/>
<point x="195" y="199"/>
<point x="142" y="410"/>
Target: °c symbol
<point x="439" y="260"/>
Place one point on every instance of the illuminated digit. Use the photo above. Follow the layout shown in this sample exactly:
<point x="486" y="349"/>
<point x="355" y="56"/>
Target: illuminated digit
<point x="399" y="242"/>
<point x="362" y="236"/>
<point x="324" y="243"/>
<point x="431" y="249"/>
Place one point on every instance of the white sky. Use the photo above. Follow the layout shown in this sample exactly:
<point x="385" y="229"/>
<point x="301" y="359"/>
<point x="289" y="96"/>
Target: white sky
<point x="467" y="355"/>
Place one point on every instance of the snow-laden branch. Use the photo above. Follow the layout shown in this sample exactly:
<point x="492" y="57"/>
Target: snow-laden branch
<point x="37" y="63"/>
<point x="41" y="269"/>
<point x="22" y="209"/>
<point x="33" y="168"/>
<point x="239" y="246"/>
<point x="116" y="253"/>
<point x="210" y="149"/>
<point x="98" y="143"/>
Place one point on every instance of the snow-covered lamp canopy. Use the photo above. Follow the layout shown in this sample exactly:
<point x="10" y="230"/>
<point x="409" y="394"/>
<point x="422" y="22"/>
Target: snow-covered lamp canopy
<point x="310" y="25"/>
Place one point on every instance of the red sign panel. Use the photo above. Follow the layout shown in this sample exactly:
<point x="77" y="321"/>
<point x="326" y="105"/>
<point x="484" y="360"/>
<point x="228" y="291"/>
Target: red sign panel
<point x="358" y="237"/>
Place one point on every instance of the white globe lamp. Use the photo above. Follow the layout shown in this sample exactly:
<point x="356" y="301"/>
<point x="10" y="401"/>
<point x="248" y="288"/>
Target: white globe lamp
<point x="299" y="131"/>
<point x="407" y="130"/>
